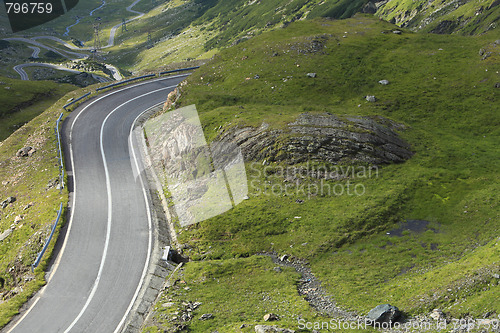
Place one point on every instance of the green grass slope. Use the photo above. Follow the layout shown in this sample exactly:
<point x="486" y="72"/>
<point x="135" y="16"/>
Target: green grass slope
<point x="465" y="17"/>
<point x="32" y="181"/>
<point x="24" y="100"/>
<point x="444" y="94"/>
<point x="185" y="30"/>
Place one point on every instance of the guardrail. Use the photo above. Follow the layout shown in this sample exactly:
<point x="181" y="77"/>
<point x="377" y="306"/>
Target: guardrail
<point x="178" y="70"/>
<point x="61" y="161"/>
<point x="47" y="242"/>
<point x="76" y="100"/>
<point x="126" y="81"/>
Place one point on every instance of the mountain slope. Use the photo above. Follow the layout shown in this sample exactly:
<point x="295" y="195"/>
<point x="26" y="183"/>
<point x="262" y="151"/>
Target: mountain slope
<point x="443" y="17"/>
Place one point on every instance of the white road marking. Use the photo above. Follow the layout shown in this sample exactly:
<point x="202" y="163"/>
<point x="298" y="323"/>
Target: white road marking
<point x="110" y="208"/>
<point x="73" y="205"/>
<point x="150" y="225"/>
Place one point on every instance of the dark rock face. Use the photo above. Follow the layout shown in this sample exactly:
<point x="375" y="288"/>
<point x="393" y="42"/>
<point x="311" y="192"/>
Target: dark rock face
<point x="325" y="137"/>
<point x="369" y="8"/>
<point x="445" y="27"/>
<point x="384" y="313"/>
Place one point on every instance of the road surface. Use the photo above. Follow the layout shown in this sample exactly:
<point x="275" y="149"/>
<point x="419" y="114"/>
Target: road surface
<point x="101" y="265"/>
<point x="36" y="51"/>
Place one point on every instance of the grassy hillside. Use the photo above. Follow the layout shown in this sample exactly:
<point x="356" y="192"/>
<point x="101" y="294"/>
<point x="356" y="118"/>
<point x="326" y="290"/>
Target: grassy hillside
<point x="33" y="182"/>
<point x="183" y="30"/>
<point x="24" y="100"/>
<point x="443" y="93"/>
<point x="466" y="17"/>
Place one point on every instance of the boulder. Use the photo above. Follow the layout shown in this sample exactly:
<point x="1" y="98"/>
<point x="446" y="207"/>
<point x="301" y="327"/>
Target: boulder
<point x="437" y="314"/>
<point x="384" y="313"/>
<point x="7" y="201"/>
<point x="271" y="317"/>
<point x="383" y="82"/>
<point x="371" y="98"/>
<point x="312" y="75"/>
<point x="397" y="32"/>
<point x="5" y="234"/>
<point x="497" y="85"/>
<point x="206" y="316"/>
<point x="271" y="329"/>
<point x="25" y="152"/>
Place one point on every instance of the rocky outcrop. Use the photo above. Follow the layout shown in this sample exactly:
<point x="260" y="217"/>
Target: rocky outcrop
<point x="323" y="137"/>
<point x="445" y="17"/>
<point x="384" y="313"/>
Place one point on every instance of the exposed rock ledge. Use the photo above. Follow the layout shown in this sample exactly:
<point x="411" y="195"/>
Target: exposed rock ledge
<point x="323" y="137"/>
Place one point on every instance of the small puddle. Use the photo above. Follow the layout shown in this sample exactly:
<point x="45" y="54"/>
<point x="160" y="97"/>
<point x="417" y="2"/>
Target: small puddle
<point x="417" y="226"/>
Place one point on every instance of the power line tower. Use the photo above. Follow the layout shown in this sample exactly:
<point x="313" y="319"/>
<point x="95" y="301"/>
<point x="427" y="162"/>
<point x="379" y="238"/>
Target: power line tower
<point x="150" y="40"/>
<point x="124" y="25"/>
<point x="97" y="39"/>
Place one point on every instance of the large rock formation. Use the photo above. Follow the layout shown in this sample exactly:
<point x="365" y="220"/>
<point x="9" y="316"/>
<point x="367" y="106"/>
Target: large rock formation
<point x="323" y="137"/>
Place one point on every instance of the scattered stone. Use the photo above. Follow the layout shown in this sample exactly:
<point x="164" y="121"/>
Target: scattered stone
<point x="168" y="304"/>
<point x="496" y="276"/>
<point x="278" y="269"/>
<point x="7" y="201"/>
<point x="497" y="85"/>
<point x="18" y="219"/>
<point x="383" y="82"/>
<point x="437" y="315"/>
<point x="299" y="201"/>
<point x="370" y="98"/>
<point x="206" y="316"/>
<point x="5" y="234"/>
<point x="256" y="77"/>
<point x="271" y="329"/>
<point x="25" y="152"/>
<point x="52" y="183"/>
<point x="397" y="32"/>
<point x="271" y="317"/>
<point x="313" y="75"/>
<point x="384" y="313"/>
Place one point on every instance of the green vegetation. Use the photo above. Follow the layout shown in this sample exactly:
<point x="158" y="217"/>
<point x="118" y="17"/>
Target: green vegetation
<point x="33" y="182"/>
<point x="23" y="100"/>
<point x="470" y="17"/>
<point x="444" y="94"/>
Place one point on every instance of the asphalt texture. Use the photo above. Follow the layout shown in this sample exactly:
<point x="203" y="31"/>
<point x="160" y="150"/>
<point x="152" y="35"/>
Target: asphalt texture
<point x="100" y="265"/>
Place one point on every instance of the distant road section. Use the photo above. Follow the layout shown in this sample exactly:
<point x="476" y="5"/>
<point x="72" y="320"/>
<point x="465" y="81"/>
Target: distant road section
<point x="24" y="76"/>
<point x="106" y="251"/>
<point x="36" y="51"/>
<point x="66" y="54"/>
<point x="112" y="34"/>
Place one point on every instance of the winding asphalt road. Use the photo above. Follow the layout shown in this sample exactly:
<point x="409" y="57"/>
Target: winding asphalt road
<point x="106" y="251"/>
<point x="24" y="76"/>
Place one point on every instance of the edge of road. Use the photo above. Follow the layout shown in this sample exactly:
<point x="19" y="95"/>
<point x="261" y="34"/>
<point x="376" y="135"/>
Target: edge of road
<point x="157" y="269"/>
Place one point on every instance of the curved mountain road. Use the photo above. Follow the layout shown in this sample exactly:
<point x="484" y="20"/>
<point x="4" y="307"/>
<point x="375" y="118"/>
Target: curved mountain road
<point x="102" y="263"/>
<point x="24" y="76"/>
